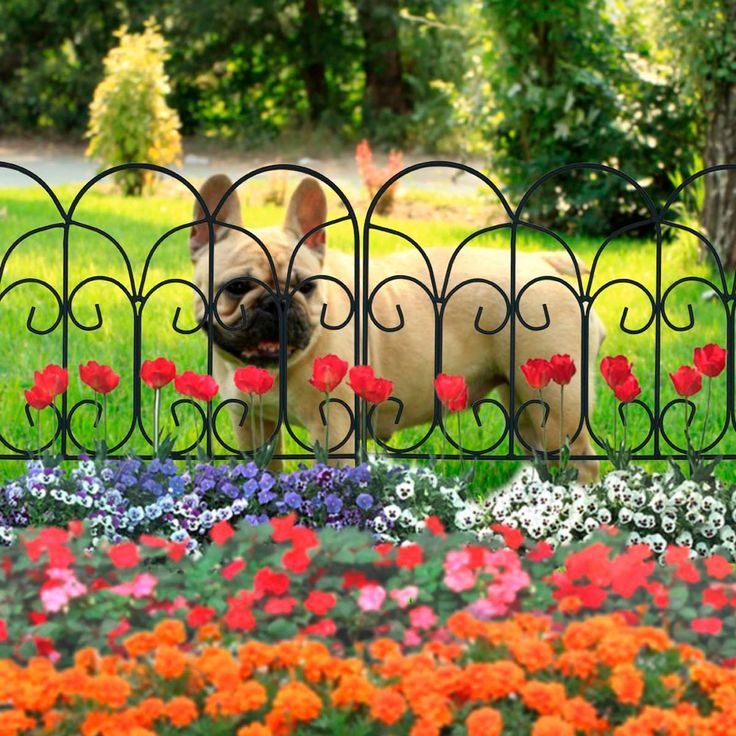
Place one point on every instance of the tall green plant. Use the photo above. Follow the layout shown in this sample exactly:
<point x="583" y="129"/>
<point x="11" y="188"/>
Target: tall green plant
<point x="130" y="120"/>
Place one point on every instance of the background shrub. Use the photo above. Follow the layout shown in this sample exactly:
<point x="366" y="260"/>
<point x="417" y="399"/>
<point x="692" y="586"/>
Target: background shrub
<point x="129" y="117"/>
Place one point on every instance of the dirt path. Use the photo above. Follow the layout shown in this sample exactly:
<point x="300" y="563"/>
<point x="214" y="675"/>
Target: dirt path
<point x="61" y="163"/>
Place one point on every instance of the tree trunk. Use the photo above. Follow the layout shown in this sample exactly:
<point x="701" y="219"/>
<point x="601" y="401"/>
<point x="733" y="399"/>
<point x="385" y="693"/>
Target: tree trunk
<point x="385" y="89"/>
<point x="313" y="69"/>
<point x="719" y="209"/>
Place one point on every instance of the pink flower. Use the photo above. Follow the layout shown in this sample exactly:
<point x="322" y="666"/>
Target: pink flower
<point x="411" y="638"/>
<point x="371" y="597"/>
<point x="140" y="587"/>
<point x="484" y="609"/>
<point x="459" y="575"/>
<point x="404" y="596"/>
<point x="422" y="617"/>
<point x="60" y="587"/>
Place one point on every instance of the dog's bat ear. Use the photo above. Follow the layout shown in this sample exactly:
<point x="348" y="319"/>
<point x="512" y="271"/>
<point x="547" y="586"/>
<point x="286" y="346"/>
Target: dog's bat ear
<point x="212" y="191"/>
<point x="307" y="211"/>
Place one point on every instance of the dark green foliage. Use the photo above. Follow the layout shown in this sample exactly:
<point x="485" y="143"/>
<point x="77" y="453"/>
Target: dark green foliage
<point x="569" y="86"/>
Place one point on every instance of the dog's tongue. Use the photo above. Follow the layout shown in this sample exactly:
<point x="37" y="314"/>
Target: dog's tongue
<point x="268" y="346"/>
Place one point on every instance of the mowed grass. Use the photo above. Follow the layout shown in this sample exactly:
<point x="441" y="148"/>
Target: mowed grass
<point x="137" y="224"/>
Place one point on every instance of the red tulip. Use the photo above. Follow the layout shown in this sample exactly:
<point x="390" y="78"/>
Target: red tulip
<point x="38" y="398"/>
<point x="200" y="387"/>
<point x="537" y="372"/>
<point x="327" y="373"/>
<point x="710" y="360"/>
<point x="562" y="368"/>
<point x="365" y="384"/>
<point x="253" y="380"/>
<point x="158" y="373"/>
<point x="628" y="389"/>
<point x="615" y="369"/>
<point x="686" y="380"/>
<point x="100" y="378"/>
<point x="452" y="391"/>
<point x="53" y="380"/>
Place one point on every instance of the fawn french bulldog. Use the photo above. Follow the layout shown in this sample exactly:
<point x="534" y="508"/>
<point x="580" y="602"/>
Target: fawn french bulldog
<point x="246" y="329"/>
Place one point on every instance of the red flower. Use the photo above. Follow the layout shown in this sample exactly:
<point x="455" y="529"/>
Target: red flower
<point x="200" y="615"/>
<point x="158" y="373"/>
<point x="718" y="567"/>
<point x="541" y="551"/>
<point x="537" y="372"/>
<point x="38" y="398"/>
<point x="3" y="630"/>
<point x="365" y="384"/>
<point x="326" y="627"/>
<point x="409" y="556"/>
<point x="319" y="603"/>
<point x="295" y="560"/>
<point x="680" y="558"/>
<point x="327" y="373"/>
<point x="100" y="378"/>
<point x="280" y="606"/>
<point x="686" y="380"/>
<point x="615" y="369"/>
<point x="230" y="571"/>
<point x="628" y="389"/>
<point x="282" y="527"/>
<point x="715" y="597"/>
<point x="435" y="525"/>
<point x="562" y="368"/>
<point x="200" y="387"/>
<point x="707" y="625"/>
<point x="452" y="391"/>
<point x="253" y="380"/>
<point x="268" y="581"/>
<point x="53" y="379"/>
<point x="512" y="538"/>
<point x="124" y="554"/>
<point x="710" y="360"/>
<point x="221" y="532"/>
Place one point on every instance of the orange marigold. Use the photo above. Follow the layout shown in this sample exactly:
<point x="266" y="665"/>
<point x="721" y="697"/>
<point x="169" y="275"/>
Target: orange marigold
<point x="532" y="654"/>
<point x="384" y="648"/>
<point x="139" y="643"/>
<point x="170" y="631"/>
<point x="352" y="690"/>
<point x="579" y="663"/>
<point x="109" y="690"/>
<point x="87" y="658"/>
<point x="298" y="701"/>
<point x="387" y="706"/>
<point x="209" y="632"/>
<point x="494" y="680"/>
<point x="181" y="711"/>
<point x="627" y="683"/>
<point x="255" y="729"/>
<point x="424" y="728"/>
<point x="547" y="698"/>
<point x="14" y="722"/>
<point x="484" y="722"/>
<point x="581" y="714"/>
<point x="169" y="662"/>
<point x="552" y="726"/>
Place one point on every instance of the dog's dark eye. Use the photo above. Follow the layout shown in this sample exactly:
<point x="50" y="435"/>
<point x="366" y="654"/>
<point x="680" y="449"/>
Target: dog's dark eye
<point x="307" y="288"/>
<point x="239" y="287"/>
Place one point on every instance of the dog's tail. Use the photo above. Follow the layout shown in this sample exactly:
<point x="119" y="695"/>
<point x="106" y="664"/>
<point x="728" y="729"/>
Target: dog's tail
<point x="563" y="263"/>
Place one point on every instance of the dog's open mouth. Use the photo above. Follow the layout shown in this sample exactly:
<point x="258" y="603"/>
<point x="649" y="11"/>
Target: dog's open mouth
<point x="266" y="350"/>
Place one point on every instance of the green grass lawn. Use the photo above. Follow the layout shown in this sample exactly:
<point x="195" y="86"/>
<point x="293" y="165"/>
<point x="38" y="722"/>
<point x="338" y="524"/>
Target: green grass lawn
<point x="138" y="223"/>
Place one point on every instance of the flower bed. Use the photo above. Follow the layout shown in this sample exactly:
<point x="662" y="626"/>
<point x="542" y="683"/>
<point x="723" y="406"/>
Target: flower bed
<point x="658" y="509"/>
<point x="126" y="498"/>
<point x="278" y="580"/>
<point x="517" y="676"/>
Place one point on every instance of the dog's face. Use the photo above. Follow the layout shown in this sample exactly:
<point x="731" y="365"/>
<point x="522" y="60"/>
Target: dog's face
<point x="252" y="294"/>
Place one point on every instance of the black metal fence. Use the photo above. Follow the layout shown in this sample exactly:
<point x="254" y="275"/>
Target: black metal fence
<point x="365" y="326"/>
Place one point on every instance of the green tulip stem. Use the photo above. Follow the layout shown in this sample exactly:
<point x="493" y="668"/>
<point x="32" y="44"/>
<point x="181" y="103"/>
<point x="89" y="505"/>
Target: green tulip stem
<point x="707" y="413"/>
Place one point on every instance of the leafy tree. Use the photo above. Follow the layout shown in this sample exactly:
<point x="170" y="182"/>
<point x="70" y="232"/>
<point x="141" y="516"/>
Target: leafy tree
<point x="704" y="37"/>
<point x="568" y="87"/>
<point x="129" y="118"/>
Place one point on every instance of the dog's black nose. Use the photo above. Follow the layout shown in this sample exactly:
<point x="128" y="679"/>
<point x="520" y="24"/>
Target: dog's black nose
<point x="268" y="306"/>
